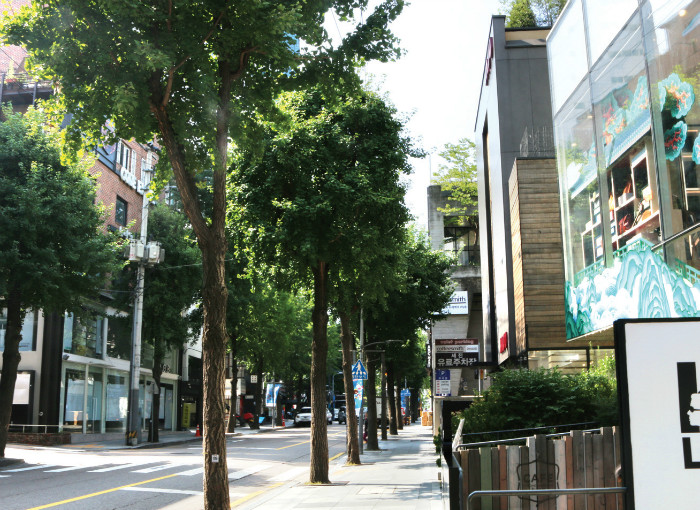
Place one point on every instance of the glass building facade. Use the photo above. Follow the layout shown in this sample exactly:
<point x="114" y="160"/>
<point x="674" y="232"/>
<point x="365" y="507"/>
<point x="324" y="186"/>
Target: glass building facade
<point x="623" y="76"/>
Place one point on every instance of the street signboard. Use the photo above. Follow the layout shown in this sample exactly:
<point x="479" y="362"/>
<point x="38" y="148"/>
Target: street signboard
<point x="442" y="383"/>
<point x="358" y="388"/>
<point x="359" y="371"/>
<point x="658" y="369"/>
<point x="456" y="353"/>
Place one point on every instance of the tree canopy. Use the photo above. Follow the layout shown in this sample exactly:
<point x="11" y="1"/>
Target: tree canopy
<point x="458" y="177"/>
<point x="53" y="253"/>
<point x="195" y="74"/>
<point x="531" y="13"/>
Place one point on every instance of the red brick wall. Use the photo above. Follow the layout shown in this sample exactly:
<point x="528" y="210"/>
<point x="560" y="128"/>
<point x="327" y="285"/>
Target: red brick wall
<point x="12" y="56"/>
<point x="110" y="185"/>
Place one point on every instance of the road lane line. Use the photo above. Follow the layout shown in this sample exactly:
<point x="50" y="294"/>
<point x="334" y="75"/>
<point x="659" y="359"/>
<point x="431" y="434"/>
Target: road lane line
<point x="249" y="496"/>
<point x="237" y="475"/>
<point x="107" y="491"/>
<point x="336" y="456"/>
<point x="164" y="491"/>
<point x="296" y="444"/>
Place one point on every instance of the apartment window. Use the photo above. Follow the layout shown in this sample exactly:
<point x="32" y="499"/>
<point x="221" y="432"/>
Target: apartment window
<point x="120" y="209"/>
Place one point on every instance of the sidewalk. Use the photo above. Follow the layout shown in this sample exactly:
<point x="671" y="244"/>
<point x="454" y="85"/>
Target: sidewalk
<point x="402" y="475"/>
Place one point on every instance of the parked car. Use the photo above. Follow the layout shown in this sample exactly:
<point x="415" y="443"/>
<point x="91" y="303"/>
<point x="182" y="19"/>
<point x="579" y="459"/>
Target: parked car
<point x="303" y="417"/>
<point x="342" y="416"/>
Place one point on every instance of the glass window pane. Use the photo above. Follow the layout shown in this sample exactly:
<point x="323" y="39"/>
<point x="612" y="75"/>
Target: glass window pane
<point x="605" y="19"/>
<point x="578" y="172"/>
<point x="119" y="337"/>
<point x="116" y="403"/>
<point x="73" y="412"/>
<point x="29" y="325"/>
<point x="566" y="49"/>
<point x="672" y="30"/>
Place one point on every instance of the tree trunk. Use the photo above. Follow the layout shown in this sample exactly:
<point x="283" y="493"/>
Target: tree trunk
<point x="214" y="340"/>
<point x="157" y="371"/>
<point x="353" y="446"/>
<point x="211" y="239"/>
<point x="372" y="443"/>
<point x="393" y="430"/>
<point x="318" y="472"/>
<point x="399" y="416"/>
<point x="10" y="362"/>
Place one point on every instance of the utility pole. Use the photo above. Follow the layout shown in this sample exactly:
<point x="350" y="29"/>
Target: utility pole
<point x="143" y="253"/>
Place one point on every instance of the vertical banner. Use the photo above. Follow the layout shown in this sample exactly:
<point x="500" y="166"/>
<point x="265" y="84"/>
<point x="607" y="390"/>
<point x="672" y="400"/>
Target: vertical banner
<point x="359" y="386"/>
<point x="269" y="395"/>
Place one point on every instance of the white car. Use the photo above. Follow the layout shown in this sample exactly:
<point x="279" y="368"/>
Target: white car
<point x="303" y="417"/>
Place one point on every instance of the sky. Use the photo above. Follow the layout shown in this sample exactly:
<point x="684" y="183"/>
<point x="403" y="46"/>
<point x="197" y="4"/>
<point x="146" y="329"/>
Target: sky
<point x="437" y="80"/>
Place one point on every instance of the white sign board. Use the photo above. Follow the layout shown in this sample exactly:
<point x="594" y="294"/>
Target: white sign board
<point x="459" y="304"/>
<point x="658" y="369"/>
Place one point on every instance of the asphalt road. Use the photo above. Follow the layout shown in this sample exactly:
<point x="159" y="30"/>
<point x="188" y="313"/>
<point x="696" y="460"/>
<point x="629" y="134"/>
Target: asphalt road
<point x="163" y="478"/>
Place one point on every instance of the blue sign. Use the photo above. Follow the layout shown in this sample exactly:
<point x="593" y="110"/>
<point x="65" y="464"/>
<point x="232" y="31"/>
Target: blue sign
<point x="358" y="389"/>
<point x="359" y="371"/>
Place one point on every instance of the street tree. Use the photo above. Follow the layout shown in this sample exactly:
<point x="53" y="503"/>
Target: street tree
<point x="458" y="177"/>
<point x="325" y="183"/>
<point x="531" y="13"/>
<point x="53" y="252"/>
<point x="194" y="74"/>
<point x="425" y="291"/>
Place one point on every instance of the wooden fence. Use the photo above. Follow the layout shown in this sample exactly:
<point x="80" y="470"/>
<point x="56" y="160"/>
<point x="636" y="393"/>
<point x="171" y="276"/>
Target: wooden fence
<point x="581" y="459"/>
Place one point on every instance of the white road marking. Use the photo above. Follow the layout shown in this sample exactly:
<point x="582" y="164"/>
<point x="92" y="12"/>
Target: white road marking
<point x="166" y="491"/>
<point x="152" y="469"/>
<point x="43" y="466"/>
<point x="192" y="472"/>
<point x="237" y="475"/>
<point x="114" y="468"/>
<point x="61" y="470"/>
<point x="292" y="473"/>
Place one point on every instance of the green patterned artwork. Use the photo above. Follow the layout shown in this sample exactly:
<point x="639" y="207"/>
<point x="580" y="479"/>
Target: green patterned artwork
<point x="638" y="285"/>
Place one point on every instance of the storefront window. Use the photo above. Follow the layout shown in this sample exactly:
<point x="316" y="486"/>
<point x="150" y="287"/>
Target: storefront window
<point x="672" y="29"/>
<point x="83" y="336"/>
<point x="74" y="395"/>
<point x="623" y="125"/>
<point x="568" y="63"/>
<point x="578" y="178"/>
<point x="28" y="342"/>
<point x="94" y="401"/>
<point x="117" y="398"/>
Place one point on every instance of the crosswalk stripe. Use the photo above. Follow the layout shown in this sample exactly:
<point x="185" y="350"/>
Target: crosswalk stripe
<point x="152" y="469"/>
<point x="42" y="466"/>
<point x="61" y="470"/>
<point x="288" y="475"/>
<point x="237" y="475"/>
<point x="115" y="468"/>
<point x="192" y="472"/>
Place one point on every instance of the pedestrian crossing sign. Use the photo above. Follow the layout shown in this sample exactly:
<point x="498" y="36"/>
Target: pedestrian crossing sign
<point x="359" y="371"/>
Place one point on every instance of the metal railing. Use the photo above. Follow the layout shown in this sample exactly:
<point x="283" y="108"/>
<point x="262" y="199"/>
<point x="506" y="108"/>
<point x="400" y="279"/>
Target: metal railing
<point x="546" y="492"/>
<point x="570" y="426"/>
<point x="25" y="426"/>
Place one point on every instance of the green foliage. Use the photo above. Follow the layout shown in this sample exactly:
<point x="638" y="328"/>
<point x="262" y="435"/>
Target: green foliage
<point x="458" y="177"/>
<point x="520" y="399"/>
<point x="52" y="250"/>
<point x="531" y="13"/>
